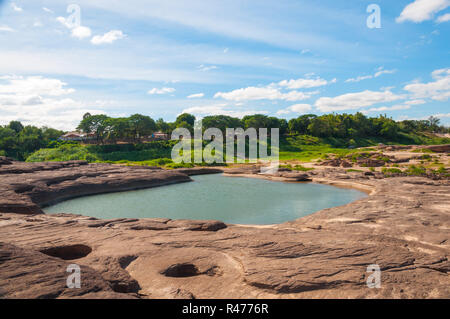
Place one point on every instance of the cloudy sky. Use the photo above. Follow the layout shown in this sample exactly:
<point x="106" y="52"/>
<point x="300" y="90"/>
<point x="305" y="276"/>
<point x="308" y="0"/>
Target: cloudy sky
<point x="162" y="58"/>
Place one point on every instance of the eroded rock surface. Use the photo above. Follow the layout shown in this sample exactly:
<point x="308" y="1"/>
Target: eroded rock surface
<point x="403" y="226"/>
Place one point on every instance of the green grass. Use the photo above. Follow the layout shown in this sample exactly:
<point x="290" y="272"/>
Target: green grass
<point x="302" y="148"/>
<point x="63" y="153"/>
<point x="391" y="171"/>
<point x="299" y="168"/>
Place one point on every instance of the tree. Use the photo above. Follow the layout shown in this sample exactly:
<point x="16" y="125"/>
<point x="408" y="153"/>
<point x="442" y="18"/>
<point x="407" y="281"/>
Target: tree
<point x="434" y="123"/>
<point x="16" y="126"/>
<point x="389" y="129"/>
<point x="95" y="124"/>
<point x="141" y="125"/>
<point x="222" y="122"/>
<point x="300" y="124"/>
<point x="185" y="117"/>
<point x="162" y="126"/>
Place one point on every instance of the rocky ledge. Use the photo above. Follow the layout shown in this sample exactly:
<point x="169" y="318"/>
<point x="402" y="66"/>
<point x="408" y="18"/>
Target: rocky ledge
<point x="403" y="226"/>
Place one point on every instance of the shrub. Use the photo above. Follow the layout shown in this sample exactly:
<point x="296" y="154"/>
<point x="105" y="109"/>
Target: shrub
<point x="179" y="165"/>
<point x="302" y="168"/>
<point x="68" y="152"/>
<point x="416" y="170"/>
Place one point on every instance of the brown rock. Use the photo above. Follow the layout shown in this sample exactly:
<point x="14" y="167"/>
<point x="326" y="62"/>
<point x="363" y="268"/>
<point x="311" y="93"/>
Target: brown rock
<point x="402" y="226"/>
<point x="438" y="148"/>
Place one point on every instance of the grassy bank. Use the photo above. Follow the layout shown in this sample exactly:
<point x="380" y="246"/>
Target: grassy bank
<point x="299" y="148"/>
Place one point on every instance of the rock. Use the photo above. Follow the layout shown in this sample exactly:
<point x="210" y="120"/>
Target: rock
<point x="346" y="164"/>
<point x="198" y="225"/>
<point x="295" y="176"/>
<point x="334" y="163"/>
<point x="438" y="148"/>
<point x="26" y="273"/>
<point x="402" y="227"/>
<point x="5" y="161"/>
<point x="199" y="171"/>
<point x="371" y="163"/>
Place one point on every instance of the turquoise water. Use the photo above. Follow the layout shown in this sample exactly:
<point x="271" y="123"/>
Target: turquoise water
<point x="234" y="200"/>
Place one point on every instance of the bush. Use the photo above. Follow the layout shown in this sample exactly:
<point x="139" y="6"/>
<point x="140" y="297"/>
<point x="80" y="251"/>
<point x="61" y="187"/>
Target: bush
<point x="416" y="170"/>
<point x="179" y="165"/>
<point x="69" y="152"/>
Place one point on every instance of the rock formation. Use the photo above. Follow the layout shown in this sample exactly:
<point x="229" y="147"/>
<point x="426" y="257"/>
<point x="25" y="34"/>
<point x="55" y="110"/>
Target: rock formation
<point x="403" y="226"/>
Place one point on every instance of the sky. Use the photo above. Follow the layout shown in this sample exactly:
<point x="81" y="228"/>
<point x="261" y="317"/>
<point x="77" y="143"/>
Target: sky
<point x="282" y="58"/>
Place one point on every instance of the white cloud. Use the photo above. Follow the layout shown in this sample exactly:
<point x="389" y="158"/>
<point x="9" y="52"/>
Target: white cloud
<point x="263" y="93"/>
<point x="5" y="28"/>
<point x="204" y="68"/>
<point x="440" y="115"/>
<point x="196" y="96"/>
<point x="64" y="22"/>
<point x="422" y="10"/>
<point x="438" y="90"/>
<point x="380" y="71"/>
<point x="220" y="109"/>
<point x="443" y="18"/>
<point x="108" y="37"/>
<point x="79" y="32"/>
<point x="34" y="85"/>
<point x="390" y="108"/>
<point x="296" y="108"/>
<point x="415" y="102"/>
<point x="305" y="83"/>
<point x="359" y="78"/>
<point x="161" y="91"/>
<point x="404" y="106"/>
<point x="36" y="100"/>
<point x="353" y="101"/>
<point x="16" y="8"/>
<point x="47" y="10"/>
<point x="441" y="73"/>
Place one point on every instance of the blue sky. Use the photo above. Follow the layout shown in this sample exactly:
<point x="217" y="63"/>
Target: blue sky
<point x="283" y="58"/>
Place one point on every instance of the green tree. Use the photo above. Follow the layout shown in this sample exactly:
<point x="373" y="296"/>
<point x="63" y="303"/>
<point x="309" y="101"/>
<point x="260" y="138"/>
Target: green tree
<point x="141" y="125"/>
<point x="162" y="126"/>
<point x="95" y="124"/>
<point x="16" y="126"/>
<point x="185" y="117"/>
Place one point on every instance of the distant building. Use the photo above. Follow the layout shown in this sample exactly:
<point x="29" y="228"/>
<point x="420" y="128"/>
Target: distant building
<point x="78" y="137"/>
<point x="160" y="136"/>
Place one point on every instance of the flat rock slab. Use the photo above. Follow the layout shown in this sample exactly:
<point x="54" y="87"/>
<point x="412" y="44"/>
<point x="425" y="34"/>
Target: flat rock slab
<point x="403" y="227"/>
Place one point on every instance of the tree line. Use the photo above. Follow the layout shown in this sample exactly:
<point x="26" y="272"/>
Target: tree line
<point x="19" y="141"/>
<point x="139" y="126"/>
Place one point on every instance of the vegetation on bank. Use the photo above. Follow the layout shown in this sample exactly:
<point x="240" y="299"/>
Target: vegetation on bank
<point x="305" y="138"/>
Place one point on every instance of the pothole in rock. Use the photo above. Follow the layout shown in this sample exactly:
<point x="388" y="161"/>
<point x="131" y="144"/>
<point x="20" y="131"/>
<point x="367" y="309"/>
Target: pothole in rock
<point x="181" y="270"/>
<point x="70" y="252"/>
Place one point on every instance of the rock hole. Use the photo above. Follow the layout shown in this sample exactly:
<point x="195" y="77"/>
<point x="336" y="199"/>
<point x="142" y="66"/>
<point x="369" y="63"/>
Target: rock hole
<point x="181" y="270"/>
<point x="68" y="252"/>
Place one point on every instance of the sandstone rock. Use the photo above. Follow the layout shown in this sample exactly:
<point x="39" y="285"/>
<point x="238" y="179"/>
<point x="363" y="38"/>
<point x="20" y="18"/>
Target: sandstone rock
<point x="5" y="161"/>
<point x="346" y="164"/>
<point x="402" y="226"/>
<point x="295" y="176"/>
<point x="371" y="163"/>
<point x="26" y="273"/>
<point x="438" y="148"/>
